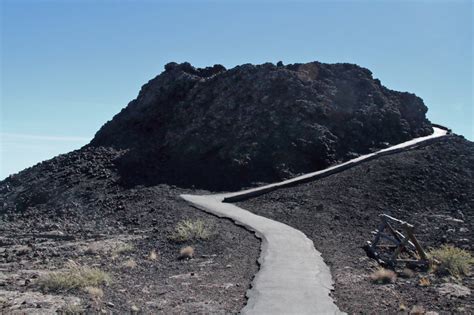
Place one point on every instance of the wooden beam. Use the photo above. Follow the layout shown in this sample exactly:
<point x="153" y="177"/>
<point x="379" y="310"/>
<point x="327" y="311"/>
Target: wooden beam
<point x="409" y="229"/>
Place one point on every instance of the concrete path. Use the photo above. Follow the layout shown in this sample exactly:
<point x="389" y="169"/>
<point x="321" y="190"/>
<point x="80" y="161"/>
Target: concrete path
<point x="245" y="194"/>
<point x="293" y="278"/>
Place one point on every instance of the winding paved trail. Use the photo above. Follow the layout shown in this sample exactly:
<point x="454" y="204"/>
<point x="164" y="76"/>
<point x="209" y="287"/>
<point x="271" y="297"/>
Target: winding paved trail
<point x="293" y="278"/>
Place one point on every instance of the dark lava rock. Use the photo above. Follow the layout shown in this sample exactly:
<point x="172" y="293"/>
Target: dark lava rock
<point x="225" y="129"/>
<point x="431" y="187"/>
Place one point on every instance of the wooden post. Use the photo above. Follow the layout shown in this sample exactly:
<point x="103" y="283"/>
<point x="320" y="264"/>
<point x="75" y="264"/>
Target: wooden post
<point x="391" y="229"/>
<point x="419" y="249"/>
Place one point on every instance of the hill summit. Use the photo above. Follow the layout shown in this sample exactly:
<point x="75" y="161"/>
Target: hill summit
<point x="224" y="129"/>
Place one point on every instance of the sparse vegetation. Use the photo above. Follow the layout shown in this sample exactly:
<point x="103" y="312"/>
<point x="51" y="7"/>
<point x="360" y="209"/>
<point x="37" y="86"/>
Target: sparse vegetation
<point x="452" y="260"/>
<point x="153" y="255"/>
<point x="122" y="249"/>
<point x="191" y="230"/>
<point x="424" y="282"/>
<point x="382" y="276"/>
<point x="76" y="277"/>
<point x="94" y="292"/>
<point x="130" y="263"/>
<point x="417" y="310"/>
<point x="186" y="252"/>
<point x="72" y="309"/>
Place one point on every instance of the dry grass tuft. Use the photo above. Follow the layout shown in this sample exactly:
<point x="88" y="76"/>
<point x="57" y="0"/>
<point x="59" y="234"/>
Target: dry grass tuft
<point x="424" y="282"/>
<point x="76" y="277"/>
<point x="382" y="276"/>
<point x="186" y="252"/>
<point x="71" y="309"/>
<point x="122" y="249"/>
<point x="153" y="255"/>
<point x="191" y="230"/>
<point x="417" y="310"/>
<point x="452" y="260"/>
<point x="94" y="292"/>
<point x="130" y="263"/>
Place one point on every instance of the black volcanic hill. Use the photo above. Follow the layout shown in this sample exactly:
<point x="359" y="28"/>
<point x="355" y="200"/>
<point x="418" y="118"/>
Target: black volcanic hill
<point x="224" y="129"/>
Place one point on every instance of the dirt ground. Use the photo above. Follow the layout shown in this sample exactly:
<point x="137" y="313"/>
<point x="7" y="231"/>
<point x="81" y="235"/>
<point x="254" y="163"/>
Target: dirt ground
<point x="73" y="208"/>
<point x="431" y="187"/>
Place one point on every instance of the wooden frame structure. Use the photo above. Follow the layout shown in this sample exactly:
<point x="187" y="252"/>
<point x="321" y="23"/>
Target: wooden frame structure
<point x="398" y="243"/>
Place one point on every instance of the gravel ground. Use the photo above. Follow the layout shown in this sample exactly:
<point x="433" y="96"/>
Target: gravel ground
<point x="431" y="187"/>
<point x="74" y="208"/>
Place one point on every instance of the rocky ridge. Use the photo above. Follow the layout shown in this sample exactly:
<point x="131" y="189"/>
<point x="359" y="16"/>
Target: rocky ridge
<point x="209" y="128"/>
<point x="224" y="129"/>
<point x="430" y="187"/>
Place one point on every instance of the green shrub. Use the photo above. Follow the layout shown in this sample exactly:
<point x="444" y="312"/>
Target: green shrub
<point x="453" y="260"/>
<point x="190" y="230"/>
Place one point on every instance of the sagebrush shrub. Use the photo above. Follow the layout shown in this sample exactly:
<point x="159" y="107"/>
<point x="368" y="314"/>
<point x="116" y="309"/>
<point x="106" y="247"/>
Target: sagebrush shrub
<point x="191" y="230"/>
<point x="453" y="260"/>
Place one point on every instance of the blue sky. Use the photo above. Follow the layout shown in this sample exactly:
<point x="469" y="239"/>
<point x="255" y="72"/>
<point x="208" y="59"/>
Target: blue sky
<point x="69" y="66"/>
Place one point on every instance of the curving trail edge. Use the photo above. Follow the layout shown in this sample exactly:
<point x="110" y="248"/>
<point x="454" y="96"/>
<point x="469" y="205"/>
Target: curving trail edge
<point x="293" y="278"/>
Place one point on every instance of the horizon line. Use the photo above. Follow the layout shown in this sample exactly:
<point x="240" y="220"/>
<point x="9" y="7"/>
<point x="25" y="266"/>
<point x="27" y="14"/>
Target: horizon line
<point x="45" y="137"/>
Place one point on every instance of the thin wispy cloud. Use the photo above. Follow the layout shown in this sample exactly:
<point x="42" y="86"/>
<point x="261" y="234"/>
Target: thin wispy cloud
<point x="22" y="150"/>
<point x="19" y="136"/>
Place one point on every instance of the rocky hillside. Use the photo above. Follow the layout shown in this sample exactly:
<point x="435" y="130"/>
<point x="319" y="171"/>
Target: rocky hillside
<point x="224" y="129"/>
<point x="72" y="209"/>
<point x="430" y="187"/>
<point x="114" y="205"/>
